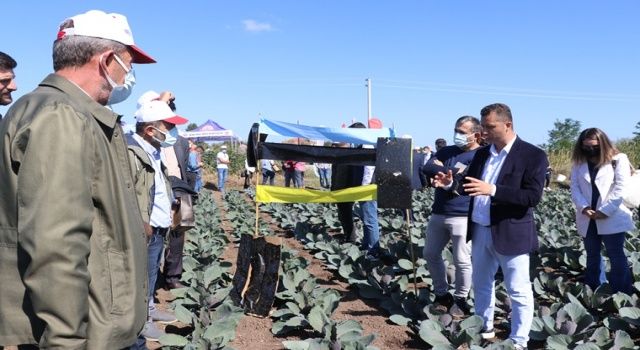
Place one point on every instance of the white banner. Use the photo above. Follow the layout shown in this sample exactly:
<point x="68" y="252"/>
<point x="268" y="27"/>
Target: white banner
<point x="212" y="133"/>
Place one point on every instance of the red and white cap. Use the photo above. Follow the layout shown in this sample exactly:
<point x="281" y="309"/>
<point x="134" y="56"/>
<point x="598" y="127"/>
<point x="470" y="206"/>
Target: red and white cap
<point x="146" y="97"/>
<point x="112" y="26"/>
<point x="155" y="110"/>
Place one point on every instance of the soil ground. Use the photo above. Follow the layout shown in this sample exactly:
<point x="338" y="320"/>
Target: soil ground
<point x="255" y="333"/>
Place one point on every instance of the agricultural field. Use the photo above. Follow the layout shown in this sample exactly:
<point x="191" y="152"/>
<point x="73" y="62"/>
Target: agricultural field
<point x="319" y="275"/>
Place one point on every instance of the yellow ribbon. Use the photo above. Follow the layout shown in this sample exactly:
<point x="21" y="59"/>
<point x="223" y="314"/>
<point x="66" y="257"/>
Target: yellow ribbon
<point x="277" y="194"/>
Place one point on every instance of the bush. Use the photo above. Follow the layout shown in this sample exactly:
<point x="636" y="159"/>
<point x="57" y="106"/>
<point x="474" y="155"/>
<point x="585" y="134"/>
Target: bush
<point x="236" y="158"/>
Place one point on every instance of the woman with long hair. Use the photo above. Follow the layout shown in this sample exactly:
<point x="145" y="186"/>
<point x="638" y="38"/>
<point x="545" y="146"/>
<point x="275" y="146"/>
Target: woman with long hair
<point x="598" y="179"/>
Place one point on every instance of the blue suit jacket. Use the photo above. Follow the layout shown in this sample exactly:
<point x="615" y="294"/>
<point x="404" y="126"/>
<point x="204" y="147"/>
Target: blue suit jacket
<point x="519" y="189"/>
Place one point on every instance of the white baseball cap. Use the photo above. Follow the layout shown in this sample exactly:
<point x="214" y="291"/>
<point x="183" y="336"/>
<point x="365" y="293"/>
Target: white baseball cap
<point x="146" y="97"/>
<point x="112" y="26"/>
<point x="155" y="110"/>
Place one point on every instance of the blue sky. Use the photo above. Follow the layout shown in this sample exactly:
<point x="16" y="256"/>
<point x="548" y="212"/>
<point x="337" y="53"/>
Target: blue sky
<point x="430" y="61"/>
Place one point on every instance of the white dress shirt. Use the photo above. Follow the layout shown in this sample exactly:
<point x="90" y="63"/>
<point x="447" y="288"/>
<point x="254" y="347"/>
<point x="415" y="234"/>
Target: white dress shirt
<point x="161" y="211"/>
<point x="482" y="204"/>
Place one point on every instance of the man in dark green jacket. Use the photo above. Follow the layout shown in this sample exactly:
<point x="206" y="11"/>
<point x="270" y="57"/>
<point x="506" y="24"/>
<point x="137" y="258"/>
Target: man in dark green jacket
<point x="72" y="246"/>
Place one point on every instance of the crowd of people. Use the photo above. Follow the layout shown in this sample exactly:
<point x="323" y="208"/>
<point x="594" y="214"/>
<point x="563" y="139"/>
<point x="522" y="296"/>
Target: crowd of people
<point x="86" y="219"/>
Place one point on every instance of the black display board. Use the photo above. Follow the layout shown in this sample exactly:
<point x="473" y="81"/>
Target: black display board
<point x="393" y="173"/>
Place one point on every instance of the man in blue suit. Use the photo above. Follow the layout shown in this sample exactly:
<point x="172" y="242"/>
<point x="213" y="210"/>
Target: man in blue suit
<point x="505" y="181"/>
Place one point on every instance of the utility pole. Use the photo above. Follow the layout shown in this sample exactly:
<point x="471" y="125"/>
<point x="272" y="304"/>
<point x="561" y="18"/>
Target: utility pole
<point x="368" y="85"/>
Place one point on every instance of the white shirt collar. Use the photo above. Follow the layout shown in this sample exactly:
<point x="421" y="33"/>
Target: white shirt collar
<point x="146" y="146"/>
<point x="506" y="149"/>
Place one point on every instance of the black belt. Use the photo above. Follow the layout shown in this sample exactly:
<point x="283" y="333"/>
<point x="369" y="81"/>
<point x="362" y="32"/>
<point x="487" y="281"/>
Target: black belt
<point x="159" y="230"/>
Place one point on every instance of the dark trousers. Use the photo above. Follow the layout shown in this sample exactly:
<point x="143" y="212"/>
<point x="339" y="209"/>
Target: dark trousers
<point x="620" y="277"/>
<point x="173" y="255"/>
<point x="268" y="175"/>
<point x="345" y="216"/>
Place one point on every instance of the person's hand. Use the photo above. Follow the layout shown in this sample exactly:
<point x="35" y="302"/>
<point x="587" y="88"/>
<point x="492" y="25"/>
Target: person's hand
<point x="598" y="215"/>
<point x="166" y="96"/>
<point x="442" y="180"/>
<point x="476" y="187"/>
<point x="148" y="230"/>
<point x="588" y="211"/>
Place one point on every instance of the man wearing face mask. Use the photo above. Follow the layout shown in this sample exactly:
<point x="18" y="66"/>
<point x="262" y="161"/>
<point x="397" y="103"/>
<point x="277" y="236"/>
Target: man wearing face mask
<point x="71" y="233"/>
<point x="155" y="129"/>
<point x="176" y="159"/>
<point x="449" y="216"/>
<point x="122" y="92"/>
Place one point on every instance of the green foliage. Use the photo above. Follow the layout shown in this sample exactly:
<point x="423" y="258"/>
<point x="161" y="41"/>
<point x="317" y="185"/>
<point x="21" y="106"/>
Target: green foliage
<point x="630" y="147"/>
<point x="191" y="126"/>
<point x="570" y="314"/>
<point x="236" y="158"/>
<point x="203" y="304"/>
<point x="563" y="135"/>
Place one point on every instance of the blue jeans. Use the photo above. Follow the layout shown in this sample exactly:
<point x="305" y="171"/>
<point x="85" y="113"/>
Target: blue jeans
<point x="368" y="212"/>
<point x="515" y="268"/>
<point x="298" y="179"/>
<point x="268" y="175"/>
<point x="198" y="184"/>
<point x="620" y="277"/>
<point x="154" y="251"/>
<point x="222" y="177"/>
<point x="325" y="176"/>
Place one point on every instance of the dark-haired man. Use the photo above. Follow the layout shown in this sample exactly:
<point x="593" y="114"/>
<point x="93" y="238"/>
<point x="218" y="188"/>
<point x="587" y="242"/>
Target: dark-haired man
<point x="450" y="212"/>
<point x="7" y="79"/>
<point x="505" y="181"/>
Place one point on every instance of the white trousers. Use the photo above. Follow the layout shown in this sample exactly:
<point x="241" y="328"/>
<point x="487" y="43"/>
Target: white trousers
<point x="485" y="262"/>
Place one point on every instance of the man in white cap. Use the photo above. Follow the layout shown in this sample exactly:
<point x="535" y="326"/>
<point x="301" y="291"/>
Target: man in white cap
<point x="72" y="239"/>
<point x="155" y="129"/>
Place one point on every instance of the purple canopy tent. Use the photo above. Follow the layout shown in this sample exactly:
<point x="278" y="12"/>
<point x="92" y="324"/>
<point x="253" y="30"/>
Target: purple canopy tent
<point x="210" y="132"/>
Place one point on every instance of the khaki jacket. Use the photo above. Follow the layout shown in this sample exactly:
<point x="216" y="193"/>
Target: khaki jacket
<point x="72" y="247"/>
<point x="144" y="177"/>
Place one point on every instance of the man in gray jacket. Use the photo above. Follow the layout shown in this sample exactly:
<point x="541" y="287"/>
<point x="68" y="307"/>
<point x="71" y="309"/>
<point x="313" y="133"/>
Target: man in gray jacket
<point x="72" y="246"/>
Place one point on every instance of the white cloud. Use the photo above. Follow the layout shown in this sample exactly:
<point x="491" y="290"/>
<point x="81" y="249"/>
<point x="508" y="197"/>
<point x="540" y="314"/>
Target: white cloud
<point x="255" y="27"/>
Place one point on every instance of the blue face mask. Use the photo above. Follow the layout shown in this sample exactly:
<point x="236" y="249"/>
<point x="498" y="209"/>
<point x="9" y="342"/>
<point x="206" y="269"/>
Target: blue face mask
<point x="119" y="93"/>
<point x="170" y="137"/>
<point x="122" y="92"/>
<point x="461" y="140"/>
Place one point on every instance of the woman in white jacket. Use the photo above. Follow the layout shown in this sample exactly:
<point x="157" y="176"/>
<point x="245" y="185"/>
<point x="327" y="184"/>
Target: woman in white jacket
<point x="598" y="179"/>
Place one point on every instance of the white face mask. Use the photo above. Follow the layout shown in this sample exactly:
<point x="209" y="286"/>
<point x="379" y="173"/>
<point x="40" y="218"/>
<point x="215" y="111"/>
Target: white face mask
<point x="170" y="137"/>
<point x="461" y="140"/>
